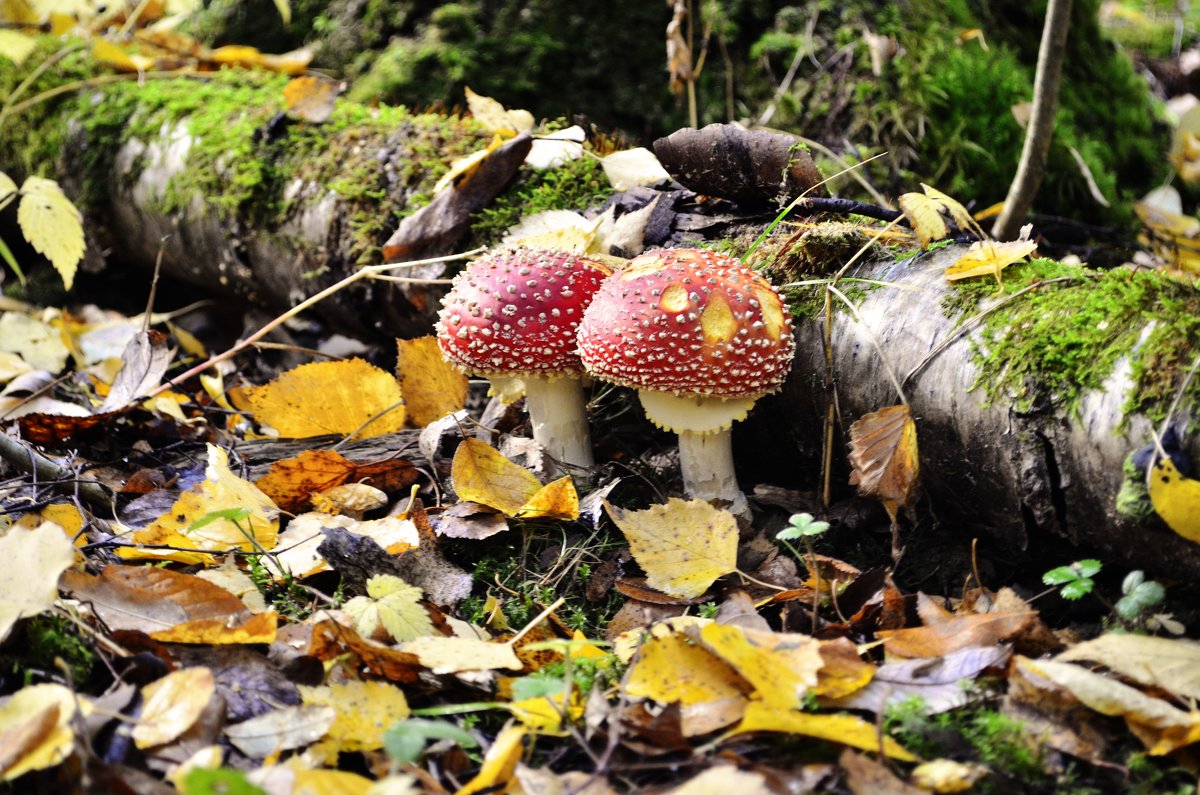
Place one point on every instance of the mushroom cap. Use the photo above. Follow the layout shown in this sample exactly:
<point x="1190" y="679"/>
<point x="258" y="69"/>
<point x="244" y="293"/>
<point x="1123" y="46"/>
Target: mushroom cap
<point x="690" y="322"/>
<point x="515" y="312"/>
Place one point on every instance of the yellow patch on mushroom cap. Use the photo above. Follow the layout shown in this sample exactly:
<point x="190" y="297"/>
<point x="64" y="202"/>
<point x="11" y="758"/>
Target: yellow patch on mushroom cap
<point x="717" y="322"/>
<point x="674" y="298"/>
<point x="772" y="310"/>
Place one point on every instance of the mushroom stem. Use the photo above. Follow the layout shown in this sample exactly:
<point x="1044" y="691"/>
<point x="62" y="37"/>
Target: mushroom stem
<point x="558" y="413"/>
<point x="706" y="460"/>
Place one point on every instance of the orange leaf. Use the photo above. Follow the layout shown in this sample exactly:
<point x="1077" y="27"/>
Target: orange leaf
<point x="311" y="98"/>
<point x="330" y="397"/>
<point x="883" y="452"/>
<point x="958" y="633"/>
<point x="292" y="482"/>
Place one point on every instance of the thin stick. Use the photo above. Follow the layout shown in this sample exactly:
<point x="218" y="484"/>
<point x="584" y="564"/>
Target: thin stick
<point x="368" y="272"/>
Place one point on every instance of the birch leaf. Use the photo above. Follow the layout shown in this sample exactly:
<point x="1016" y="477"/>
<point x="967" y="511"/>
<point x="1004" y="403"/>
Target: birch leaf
<point x="52" y="226"/>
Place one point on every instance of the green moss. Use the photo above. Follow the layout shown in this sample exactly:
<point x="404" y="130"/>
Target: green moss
<point x="1064" y="339"/>
<point x="46" y="639"/>
<point x="575" y="185"/>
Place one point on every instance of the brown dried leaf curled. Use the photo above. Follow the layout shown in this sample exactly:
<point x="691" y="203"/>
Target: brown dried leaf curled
<point x="883" y="452"/>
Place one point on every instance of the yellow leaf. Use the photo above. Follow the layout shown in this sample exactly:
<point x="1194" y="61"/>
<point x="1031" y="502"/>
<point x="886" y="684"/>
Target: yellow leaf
<point x="683" y="546"/>
<point x="922" y="213"/>
<point x="16" y="46"/>
<point x="220" y="491"/>
<point x="119" y="58"/>
<point x="781" y="667"/>
<point x="236" y="55"/>
<point x="392" y="604"/>
<point x="845" y="729"/>
<point x="1176" y="499"/>
<point x="946" y="775"/>
<point x="499" y="763"/>
<point x="957" y="211"/>
<point x="365" y="710"/>
<point x="723" y="779"/>
<point x="432" y="386"/>
<point x="36" y="724"/>
<point x="544" y="714"/>
<point x="988" y="258"/>
<point x="33" y="560"/>
<point x="556" y="500"/>
<point x="480" y="474"/>
<point x="454" y="655"/>
<point x="492" y="115"/>
<point x="311" y="98"/>
<point x="52" y="226"/>
<point x="255" y="628"/>
<point x="351" y="397"/>
<point x="172" y="704"/>
<point x="672" y="669"/>
<point x="330" y="782"/>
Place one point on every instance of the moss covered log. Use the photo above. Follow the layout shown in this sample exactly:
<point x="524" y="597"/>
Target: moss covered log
<point x="1027" y="402"/>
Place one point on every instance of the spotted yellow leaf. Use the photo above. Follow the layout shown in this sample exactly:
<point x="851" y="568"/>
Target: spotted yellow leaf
<point x="350" y="397"/>
<point x="672" y="669"/>
<point x="172" y="704"/>
<point x="556" y="500"/>
<point x="683" y="546"/>
<point x="781" y="667"/>
<point x="499" y="763"/>
<point x="453" y="655"/>
<point x="365" y="710"/>
<point x="481" y="474"/>
<point x="52" y="226"/>
<point x="432" y="386"/>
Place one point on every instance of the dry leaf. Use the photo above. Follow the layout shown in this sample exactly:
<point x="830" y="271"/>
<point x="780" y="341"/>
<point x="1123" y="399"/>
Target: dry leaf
<point x="290" y="483"/>
<point x="673" y="669"/>
<point x="281" y="730"/>
<point x="25" y="721"/>
<point x="172" y="704"/>
<point x="52" y="226"/>
<point x="392" y="605"/>
<point x="556" y="500"/>
<point x="298" y="556"/>
<point x="632" y="167"/>
<point x="348" y="397"/>
<point x="988" y="258"/>
<point x="481" y="474"/>
<point x="1172" y="664"/>
<point x="499" y="763"/>
<point x="432" y="386"/>
<point x="781" y="667"/>
<point x="845" y="729"/>
<point x="34" y="559"/>
<point x="495" y="117"/>
<point x="947" y="776"/>
<point x="957" y="633"/>
<point x="311" y="98"/>
<point x="883" y="453"/>
<point x="225" y="513"/>
<point x="365" y="710"/>
<point x="722" y="780"/>
<point x="937" y="682"/>
<point x="683" y="546"/>
<point x="924" y="216"/>
<point x="454" y="655"/>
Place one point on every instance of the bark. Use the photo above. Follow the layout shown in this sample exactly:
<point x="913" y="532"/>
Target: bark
<point x="991" y="470"/>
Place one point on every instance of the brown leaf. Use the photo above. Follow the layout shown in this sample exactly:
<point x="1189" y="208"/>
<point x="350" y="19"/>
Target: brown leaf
<point x="865" y="776"/>
<point x="957" y="633"/>
<point x="311" y="98"/>
<point x="290" y="483"/>
<point x="883" y="452"/>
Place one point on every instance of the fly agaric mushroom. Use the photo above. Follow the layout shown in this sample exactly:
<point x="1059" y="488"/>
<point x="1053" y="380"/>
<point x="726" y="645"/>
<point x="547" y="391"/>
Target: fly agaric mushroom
<point x="700" y="337"/>
<point x="511" y="317"/>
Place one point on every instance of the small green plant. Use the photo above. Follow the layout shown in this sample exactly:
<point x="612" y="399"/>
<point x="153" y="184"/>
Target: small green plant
<point x="1139" y="598"/>
<point x="405" y="741"/>
<point x="1074" y="581"/>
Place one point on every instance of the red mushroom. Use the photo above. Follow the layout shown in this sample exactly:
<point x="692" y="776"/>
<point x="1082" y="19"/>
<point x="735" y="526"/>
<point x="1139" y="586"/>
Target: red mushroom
<point x="701" y="337"/>
<point x="511" y="317"/>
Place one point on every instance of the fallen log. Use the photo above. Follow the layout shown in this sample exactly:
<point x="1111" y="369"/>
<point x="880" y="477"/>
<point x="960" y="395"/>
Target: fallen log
<point x="1026" y="411"/>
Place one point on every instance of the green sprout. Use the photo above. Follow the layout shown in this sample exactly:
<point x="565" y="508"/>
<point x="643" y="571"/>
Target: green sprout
<point x="1075" y="581"/>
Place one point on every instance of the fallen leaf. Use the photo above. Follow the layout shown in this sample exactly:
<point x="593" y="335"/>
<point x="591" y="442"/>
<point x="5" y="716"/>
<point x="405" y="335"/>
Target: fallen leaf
<point x="281" y="730"/>
<point x="392" y="605"/>
<point x="781" y="667"/>
<point x="924" y="215"/>
<point x="331" y="641"/>
<point x="143" y="362"/>
<point x="947" y="775"/>
<point x="495" y="117"/>
<point x="845" y="729"/>
<point x="225" y="513"/>
<point x="937" y="682"/>
<point x="1161" y="727"/>
<point x="26" y="717"/>
<point x="957" y="633"/>
<point x="311" y="98"/>
<point x="52" y="225"/>
<point x="432" y="386"/>
<point x="632" y="167"/>
<point x="883" y="453"/>
<point x="455" y="655"/>
<point x="1172" y="664"/>
<point x="172" y="704"/>
<point x="499" y="763"/>
<point x="683" y="546"/>
<point x="672" y="669"/>
<point x="556" y="500"/>
<point x="988" y="258"/>
<point x="38" y="343"/>
<point x="365" y="710"/>
<point x="34" y="559"/>
<point x="722" y="780"/>
<point x="290" y="483"/>
<point x="350" y="499"/>
<point x="347" y="398"/>
<point x="481" y="474"/>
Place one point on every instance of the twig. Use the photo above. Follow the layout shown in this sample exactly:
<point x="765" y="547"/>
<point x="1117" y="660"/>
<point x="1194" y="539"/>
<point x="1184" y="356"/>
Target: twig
<point x="29" y="460"/>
